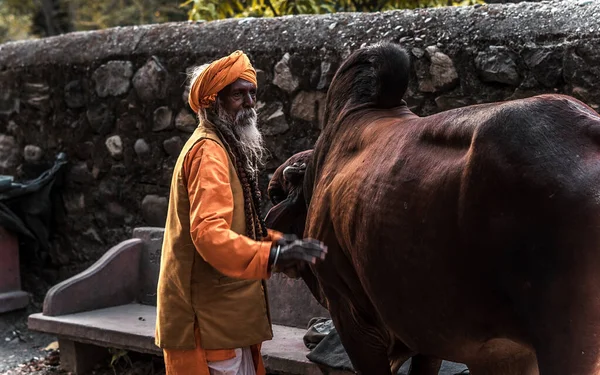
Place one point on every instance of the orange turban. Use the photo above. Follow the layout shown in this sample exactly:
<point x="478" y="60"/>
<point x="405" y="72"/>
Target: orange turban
<point x="217" y="76"/>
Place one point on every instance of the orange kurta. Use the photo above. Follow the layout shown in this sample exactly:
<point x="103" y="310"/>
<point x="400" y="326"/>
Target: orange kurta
<point x="211" y="213"/>
<point x="211" y="204"/>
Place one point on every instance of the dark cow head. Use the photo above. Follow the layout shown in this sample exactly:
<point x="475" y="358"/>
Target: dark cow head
<point x="288" y="214"/>
<point x="286" y="193"/>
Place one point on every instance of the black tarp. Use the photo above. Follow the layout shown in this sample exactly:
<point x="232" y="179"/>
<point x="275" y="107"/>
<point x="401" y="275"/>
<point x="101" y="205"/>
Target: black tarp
<point x="28" y="208"/>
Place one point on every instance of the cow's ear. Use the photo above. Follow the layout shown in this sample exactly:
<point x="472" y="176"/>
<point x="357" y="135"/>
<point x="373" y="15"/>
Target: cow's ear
<point x="294" y="174"/>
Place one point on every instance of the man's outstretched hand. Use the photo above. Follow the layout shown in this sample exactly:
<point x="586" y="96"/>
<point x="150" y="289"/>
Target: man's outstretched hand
<point x="290" y="251"/>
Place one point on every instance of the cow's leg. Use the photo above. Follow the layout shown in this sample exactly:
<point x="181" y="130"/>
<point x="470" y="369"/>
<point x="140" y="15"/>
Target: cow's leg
<point x="558" y="301"/>
<point x="423" y="365"/>
<point x="566" y="331"/>
<point x="519" y="364"/>
<point x="366" y="345"/>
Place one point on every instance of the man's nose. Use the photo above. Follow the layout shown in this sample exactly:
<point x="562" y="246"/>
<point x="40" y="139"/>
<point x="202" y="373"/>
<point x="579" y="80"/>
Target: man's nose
<point x="249" y="102"/>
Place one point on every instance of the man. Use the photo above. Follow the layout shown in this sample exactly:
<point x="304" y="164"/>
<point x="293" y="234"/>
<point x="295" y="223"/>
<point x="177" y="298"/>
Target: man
<point x="212" y="311"/>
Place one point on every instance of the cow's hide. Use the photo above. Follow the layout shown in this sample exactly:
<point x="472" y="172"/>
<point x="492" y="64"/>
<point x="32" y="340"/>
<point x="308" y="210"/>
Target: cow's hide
<point x="470" y="235"/>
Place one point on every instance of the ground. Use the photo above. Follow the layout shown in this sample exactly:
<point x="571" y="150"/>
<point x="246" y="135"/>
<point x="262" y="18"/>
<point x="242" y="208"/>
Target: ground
<point x="27" y="352"/>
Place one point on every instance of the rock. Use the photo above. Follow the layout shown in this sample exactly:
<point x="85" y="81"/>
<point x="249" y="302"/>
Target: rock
<point x="114" y="144"/>
<point x="162" y="119"/>
<point x="445" y="102"/>
<point x="418" y="52"/>
<point x="521" y="93"/>
<point x="154" y="210"/>
<point x="108" y="189"/>
<point x="580" y="68"/>
<point x="581" y="94"/>
<point x="113" y="78"/>
<point x="127" y="123"/>
<point x="498" y="65"/>
<point x="32" y="153"/>
<point x="173" y="145"/>
<point x="441" y="74"/>
<point x="9" y="153"/>
<point x="58" y="254"/>
<point x="261" y="78"/>
<point x="308" y="106"/>
<point x="9" y="98"/>
<point x="74" y="202"/>
<point x="101" y="118"/>
<point x="284" y="79"/>
<point x="442" y="70"/>
<point x="274" y="123"/>
<point x="92" y="234"/>
<point x="185" y="122"/>
<point x="150" y="81"/>
<point x="13" y="129"/>
<point x="75" y="94"/>
<point x="116" y="210"/>
<point x="141" y="148"/>
<point x="80" y="173"/>
<point x="545" y="65"/>
<point x="326" y="75"/>
<point x="414" y="102"/>
<point x="118" y="169"/>
<point x="85" y="150"/>
<point x="36" y="95"/>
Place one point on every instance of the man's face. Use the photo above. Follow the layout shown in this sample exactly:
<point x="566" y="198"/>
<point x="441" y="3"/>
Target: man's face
<point x="239" y="95"/>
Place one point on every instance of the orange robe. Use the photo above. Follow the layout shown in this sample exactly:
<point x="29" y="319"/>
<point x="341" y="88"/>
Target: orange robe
<point x="211" y="212"/>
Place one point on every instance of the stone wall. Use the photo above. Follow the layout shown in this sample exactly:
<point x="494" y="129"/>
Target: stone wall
<point x="114" y="100"/>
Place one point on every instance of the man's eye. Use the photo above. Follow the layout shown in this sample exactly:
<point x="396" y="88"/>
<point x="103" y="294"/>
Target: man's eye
<point x="237" y="95"/>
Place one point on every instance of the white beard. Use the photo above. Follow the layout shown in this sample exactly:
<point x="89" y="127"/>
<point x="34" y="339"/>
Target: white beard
<point x="245" y="129"/>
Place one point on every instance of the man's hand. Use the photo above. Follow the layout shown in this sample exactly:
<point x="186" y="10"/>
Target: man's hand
<point x="290" y="251"/>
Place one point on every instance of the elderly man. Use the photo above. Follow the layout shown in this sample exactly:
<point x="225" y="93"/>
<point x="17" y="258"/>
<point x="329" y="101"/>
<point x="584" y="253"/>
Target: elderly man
<point x="212" y="310"/>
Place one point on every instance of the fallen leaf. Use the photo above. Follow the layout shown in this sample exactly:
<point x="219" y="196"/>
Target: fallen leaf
<point x="52" y="346"/>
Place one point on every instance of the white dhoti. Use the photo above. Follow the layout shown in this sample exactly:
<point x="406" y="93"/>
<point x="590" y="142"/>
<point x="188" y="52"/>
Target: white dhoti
<point x="242" y="364"/>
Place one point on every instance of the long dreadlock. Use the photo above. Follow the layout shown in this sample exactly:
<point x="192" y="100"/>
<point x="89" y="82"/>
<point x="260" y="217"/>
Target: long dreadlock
<point x="255" y="224"/>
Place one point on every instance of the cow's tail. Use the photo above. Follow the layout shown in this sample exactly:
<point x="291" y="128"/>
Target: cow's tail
<point x="376" y="76"/>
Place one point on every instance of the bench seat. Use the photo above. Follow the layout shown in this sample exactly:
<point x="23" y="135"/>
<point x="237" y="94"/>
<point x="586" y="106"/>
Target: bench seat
<point x="131" y="327"/>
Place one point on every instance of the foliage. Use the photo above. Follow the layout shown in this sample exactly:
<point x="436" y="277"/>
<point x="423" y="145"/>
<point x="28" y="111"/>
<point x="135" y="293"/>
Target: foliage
<point x="101" y="14"/>
<point x="21" y="19"/>
<point x="116" y="356"/>
<point x="217" y="9"/>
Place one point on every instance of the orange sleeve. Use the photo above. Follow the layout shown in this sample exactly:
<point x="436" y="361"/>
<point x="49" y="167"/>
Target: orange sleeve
<point x="211" y="212"/>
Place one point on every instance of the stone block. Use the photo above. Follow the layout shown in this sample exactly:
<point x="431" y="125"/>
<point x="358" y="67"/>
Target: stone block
<point x="11" y="296"/>
<point x="14" y="300"/>
<point x="79" y="358"/>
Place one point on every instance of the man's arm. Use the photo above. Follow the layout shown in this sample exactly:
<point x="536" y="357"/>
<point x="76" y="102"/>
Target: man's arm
<point x="211" y="212"/>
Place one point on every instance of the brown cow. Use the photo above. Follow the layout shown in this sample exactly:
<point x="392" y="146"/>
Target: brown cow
<point x="288" y="215"/>
<point x="470" y="235"/>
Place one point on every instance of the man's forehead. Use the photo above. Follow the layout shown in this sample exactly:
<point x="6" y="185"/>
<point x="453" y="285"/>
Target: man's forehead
<point x="241" y="84"/>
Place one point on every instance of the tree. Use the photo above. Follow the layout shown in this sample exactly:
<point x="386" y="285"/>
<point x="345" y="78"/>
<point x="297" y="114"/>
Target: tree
<point x="217" y="9"/>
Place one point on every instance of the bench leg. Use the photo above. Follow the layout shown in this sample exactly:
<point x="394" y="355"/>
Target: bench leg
<point x="80" y="358"/>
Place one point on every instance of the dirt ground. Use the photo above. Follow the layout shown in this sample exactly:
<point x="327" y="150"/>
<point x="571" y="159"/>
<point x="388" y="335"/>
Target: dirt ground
<point x="28" y="352"/>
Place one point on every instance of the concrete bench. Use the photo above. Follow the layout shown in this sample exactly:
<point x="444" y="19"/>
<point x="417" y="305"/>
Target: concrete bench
<point x="113" y="304"/>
